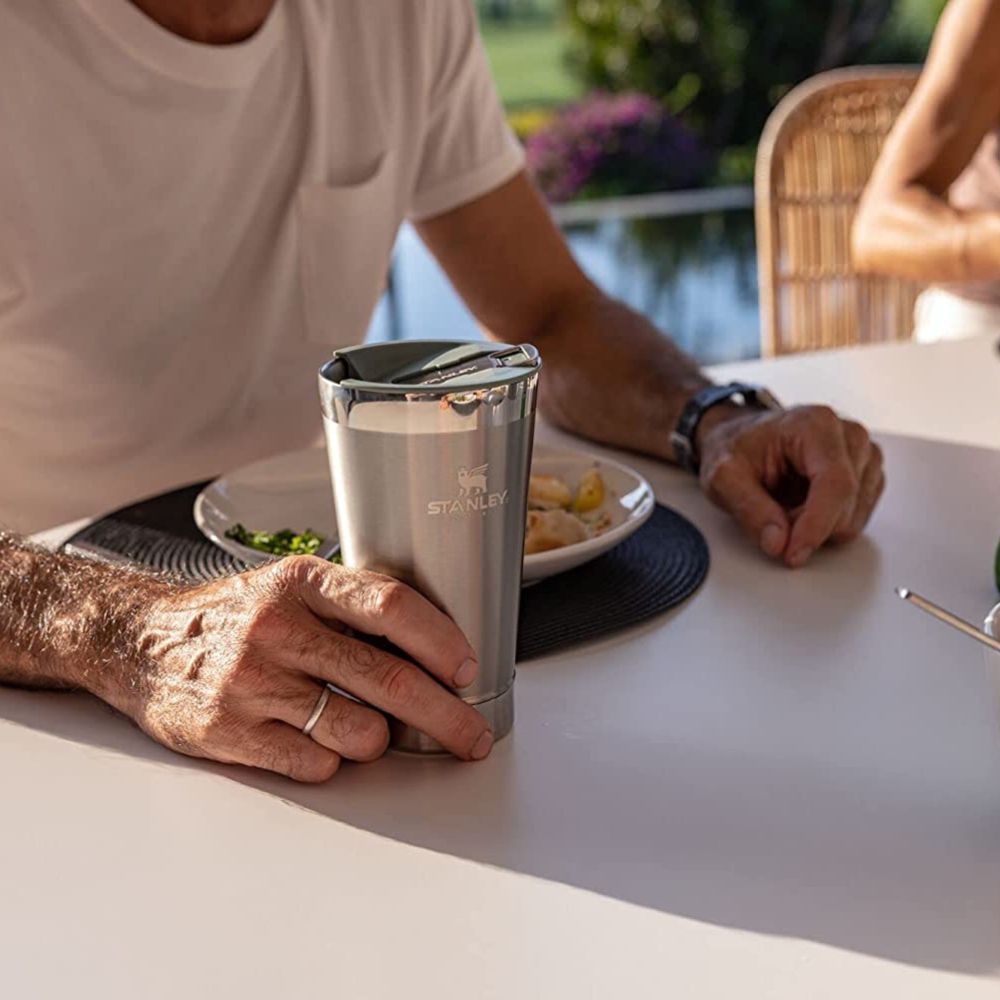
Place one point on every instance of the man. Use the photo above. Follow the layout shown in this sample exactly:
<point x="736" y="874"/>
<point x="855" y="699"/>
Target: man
<point x="197" y="203"/>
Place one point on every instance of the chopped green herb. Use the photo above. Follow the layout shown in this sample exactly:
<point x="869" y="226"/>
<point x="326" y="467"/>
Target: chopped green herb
<point x="277" y="543"/>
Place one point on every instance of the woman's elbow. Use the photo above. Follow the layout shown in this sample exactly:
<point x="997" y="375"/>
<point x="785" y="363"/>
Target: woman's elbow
<point x="868" y="252"/>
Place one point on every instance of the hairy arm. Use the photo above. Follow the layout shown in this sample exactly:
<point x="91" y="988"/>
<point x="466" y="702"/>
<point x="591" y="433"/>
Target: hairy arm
<point x="905" y="225"/>
<point x="232" y="669"/>
<point x="793" y="480"/>
<point x="70" y="623"/>
<point x="522" y="283"/>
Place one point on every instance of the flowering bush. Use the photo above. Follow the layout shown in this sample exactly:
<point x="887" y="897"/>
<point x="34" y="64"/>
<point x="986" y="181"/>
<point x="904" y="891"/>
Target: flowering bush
<point x="525" y="122"/>
<point x="608" y="145"/>
<point x="725" y="63"/>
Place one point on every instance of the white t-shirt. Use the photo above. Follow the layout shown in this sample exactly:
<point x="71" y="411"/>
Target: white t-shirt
<point x="186" y="231"/>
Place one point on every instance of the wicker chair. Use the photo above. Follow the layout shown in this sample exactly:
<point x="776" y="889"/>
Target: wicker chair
<point x="817" y="151"/>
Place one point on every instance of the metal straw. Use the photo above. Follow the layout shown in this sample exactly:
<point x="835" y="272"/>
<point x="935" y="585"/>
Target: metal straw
<point x="948" y="618"/>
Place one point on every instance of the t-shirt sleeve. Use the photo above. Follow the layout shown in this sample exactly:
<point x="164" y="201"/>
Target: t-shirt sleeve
<point x="468" y="148"/>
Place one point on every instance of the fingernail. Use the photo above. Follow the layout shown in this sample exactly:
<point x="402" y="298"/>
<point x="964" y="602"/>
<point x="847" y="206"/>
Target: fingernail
<point x="799" y="557"/>
<point x="772" y="539"/>
<point x="466" y="673"/>
<point x="483" y="746"/>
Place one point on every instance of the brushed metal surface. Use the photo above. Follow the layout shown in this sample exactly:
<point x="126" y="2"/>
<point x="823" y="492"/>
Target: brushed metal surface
<point x="431" y="489"/>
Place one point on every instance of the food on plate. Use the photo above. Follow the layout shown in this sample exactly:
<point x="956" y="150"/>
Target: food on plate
<point x="277" y="543"/>
<point x="590" y="492"/>
<point x="559" y="516"/>
<point x="548" y="493"/>
<point x="552" y="529"/>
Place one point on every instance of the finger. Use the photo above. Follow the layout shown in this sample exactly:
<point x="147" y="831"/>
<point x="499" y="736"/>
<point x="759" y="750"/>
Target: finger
<point x="277" y="747"/>
<point x="735" y="486"/>
<point x="351" y="730"/>
<point x="871" y="490"/>
<point x="819" y="452"/>
<point x="391" y="684"/>
<point x="859" y="450"/>
<point x="378" y="605"/>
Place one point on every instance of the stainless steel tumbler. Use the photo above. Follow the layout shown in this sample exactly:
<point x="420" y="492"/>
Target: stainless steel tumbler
<point x="430" y="448"/>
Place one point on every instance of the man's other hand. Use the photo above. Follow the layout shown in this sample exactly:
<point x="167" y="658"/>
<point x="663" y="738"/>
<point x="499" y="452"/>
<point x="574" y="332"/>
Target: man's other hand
<point x="794" y="479"/>
<point x="232" y="670"/>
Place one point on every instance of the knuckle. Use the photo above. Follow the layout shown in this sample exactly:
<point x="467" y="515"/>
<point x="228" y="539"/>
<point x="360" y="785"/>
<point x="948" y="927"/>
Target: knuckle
<point x="361" y="732"/>
<point x="361" y="657"/>
<point x="269" y="580"/>
<point x="369" y="736"/>
<point x="313" y="770"/>
<point x="398" y="683"/>
<point x="467" y="727"/>
<point x="823" y="415"/>
<point x="387" y="598"/>
<point x="296" y="573"/>
<point x="857" y="433"/>
<point x="309" y="570"/>
<point x="292" y="570"/>
<point x="309" y="644"/>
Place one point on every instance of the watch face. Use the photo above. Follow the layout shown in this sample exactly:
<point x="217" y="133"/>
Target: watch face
<point x="767" y="399"/>
<point x="683" y="451"/>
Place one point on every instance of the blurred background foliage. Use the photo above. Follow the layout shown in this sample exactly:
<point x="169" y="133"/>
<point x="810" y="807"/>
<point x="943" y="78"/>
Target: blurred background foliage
<point x="724" y="64"/>
<point x="717" y="67"/>
<point x="623" y="97"/>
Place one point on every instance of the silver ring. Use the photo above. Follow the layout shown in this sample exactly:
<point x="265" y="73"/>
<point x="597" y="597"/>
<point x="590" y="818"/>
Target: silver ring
<point x="317" y="711"/>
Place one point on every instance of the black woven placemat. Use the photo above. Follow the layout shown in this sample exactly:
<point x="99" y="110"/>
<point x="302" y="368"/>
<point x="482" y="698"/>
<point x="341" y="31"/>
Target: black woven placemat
<point x="664" y="562"/>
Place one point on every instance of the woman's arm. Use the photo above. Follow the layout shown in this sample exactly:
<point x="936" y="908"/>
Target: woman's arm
<point x="905" y="225"/>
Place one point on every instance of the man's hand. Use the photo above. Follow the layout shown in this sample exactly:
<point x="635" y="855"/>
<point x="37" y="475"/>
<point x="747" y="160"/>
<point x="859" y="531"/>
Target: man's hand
<point x="232" y="670"/>
<point x="795" y="479"/>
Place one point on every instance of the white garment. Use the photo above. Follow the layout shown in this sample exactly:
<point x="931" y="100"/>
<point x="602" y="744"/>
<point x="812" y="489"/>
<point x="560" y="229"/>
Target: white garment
<point x="186" y="231"/>
<point x="941" y="315"/>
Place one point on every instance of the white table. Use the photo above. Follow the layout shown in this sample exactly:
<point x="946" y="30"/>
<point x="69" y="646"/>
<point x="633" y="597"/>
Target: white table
<point x="949" y="391"/>
<point x="789" y="787"/>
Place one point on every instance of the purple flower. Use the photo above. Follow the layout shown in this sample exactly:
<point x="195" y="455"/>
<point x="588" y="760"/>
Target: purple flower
<point x="614" y="144"/>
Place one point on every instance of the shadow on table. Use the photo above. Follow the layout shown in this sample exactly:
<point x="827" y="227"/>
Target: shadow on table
<point x="756" y="840"/>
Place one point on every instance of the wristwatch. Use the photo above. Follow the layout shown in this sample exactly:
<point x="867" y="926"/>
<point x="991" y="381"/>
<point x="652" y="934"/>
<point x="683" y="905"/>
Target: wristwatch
<point x="683" y="436"/>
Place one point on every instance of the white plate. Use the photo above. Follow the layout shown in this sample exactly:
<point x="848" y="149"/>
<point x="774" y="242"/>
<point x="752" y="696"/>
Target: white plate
<point x="293" y="490"/>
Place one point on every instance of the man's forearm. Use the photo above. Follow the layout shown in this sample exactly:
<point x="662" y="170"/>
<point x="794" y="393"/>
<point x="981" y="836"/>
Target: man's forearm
<point x="67" y="622"/>
<point x="610" y="375"/>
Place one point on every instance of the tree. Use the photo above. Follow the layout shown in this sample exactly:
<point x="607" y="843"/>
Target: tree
<point x="724" y="63"/>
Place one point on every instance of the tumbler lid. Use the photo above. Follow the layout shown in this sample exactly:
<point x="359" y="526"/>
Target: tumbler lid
<point x="430" y="365"/>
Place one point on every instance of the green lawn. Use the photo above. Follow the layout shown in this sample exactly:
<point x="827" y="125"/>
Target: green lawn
<point x="527" y="62"/>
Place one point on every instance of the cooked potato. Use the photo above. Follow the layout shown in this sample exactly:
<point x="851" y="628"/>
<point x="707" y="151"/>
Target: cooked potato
<point x="548" y="493"/>
<point x="552" y="529"/>
<point x="590" y="493"/>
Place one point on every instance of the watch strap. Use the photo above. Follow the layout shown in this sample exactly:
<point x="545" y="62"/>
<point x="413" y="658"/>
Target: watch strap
<point x="684" y="434"/>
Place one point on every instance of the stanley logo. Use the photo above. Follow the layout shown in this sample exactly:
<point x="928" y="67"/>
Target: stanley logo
<point x="473" y="495"/>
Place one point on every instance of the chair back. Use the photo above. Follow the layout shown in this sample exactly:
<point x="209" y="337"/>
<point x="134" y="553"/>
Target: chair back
<point x="815" y="156"/>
